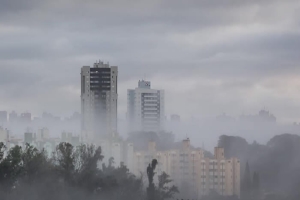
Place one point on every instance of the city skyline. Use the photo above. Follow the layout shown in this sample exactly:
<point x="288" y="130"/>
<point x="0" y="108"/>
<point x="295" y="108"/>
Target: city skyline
<point x="150" y="100"/>
<point x="214" y="58"/>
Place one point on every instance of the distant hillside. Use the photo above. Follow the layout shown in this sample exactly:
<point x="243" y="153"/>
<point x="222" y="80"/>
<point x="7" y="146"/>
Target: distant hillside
<point x="277" y="162"/>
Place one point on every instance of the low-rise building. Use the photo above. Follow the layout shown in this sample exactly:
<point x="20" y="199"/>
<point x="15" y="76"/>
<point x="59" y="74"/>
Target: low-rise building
<point x="195" y="174"/>
<point x="120" y="150"/>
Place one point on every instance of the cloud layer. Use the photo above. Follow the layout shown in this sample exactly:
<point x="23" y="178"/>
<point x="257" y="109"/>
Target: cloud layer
<point x="210" y="56"/>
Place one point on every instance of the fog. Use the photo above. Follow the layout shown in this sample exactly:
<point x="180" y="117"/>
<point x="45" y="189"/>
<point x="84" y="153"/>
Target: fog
<point x="230" y="70"/>
<point x="234" y="57"/>
<point x="205" y="132"/>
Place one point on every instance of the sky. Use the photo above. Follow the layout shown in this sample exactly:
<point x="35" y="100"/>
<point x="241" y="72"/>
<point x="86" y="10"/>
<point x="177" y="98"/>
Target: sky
<point x="210" y="57"/>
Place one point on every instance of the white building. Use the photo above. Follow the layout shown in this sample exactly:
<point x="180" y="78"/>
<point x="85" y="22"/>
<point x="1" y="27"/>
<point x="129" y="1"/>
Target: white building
<point x="42" y="134"/>
<point x="99" y="96"/>
<point x="145" y="108"/>
<point x="121" y="151"/>
<point x="4" y="133"/>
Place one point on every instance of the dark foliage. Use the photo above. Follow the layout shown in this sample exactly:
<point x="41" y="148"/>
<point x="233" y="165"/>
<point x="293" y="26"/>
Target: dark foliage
<point x="164" y="189"/>
<point x="72" y="173"/>
<point x="276" y="164"/>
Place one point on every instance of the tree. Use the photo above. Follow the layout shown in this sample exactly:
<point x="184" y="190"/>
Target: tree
<point x="10" y="169"/>
<point x="65" y="158"/>
<point x="246" y="186"/>
<point x="72" y="173"/>
<point x="234" y="146"/>
<point x="88" y="175"/>
<point x="164" y="190"/>
<point x="255" y="185"/>
<point x="2" y="150"/>
<point x="127" y="182"/>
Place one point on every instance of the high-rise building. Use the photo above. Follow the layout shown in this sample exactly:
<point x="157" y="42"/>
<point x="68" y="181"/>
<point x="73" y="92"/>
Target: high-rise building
<point x="13" y="117"/>
<point x="3" y="116"/>
<point x="145" y="108"/>
<point x="42" y="134"/>
<point x="25" y="117"/>
<point x="99" y="99"/>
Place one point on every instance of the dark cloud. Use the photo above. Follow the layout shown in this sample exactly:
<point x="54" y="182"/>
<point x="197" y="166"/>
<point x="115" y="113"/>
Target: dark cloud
<point x="214" y="54"/>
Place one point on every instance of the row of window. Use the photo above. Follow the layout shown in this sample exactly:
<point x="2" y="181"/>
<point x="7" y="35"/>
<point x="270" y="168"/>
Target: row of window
<point x="97" y="77"/>
<point x="99" y="72"/>
<point x="213" y="176"/>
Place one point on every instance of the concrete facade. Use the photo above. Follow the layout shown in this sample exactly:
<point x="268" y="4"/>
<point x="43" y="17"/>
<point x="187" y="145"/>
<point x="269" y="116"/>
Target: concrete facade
<point x="121" y="151"/>
<point x="4" y="134"/>
<point x="145" y="108"/>
<point x="3" y="116"/>
<point x="99" y="100"/>
<point x="193" y="173"/>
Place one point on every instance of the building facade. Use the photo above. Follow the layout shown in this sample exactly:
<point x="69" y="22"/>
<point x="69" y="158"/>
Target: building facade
<point x="13" y="117"/>
<point x="194" y="174"/>
<point x="145" y="108"/>
<point x="4" y="133"/>
<point x="3" y="116"/>
<point x="25" y="117"/>
<point x="99" y="99"/>
<point x="121" y="151"/>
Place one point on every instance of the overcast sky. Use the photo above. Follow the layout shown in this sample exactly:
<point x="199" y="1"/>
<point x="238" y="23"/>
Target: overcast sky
<point x="210" y="56"/>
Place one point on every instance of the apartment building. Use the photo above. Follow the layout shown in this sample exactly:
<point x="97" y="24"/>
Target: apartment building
<point x="99" y="96"/>
<point x="120" y="150"/>
<point x="195" y="174"/>
<point x="145" y="108"/>
<point x="4" y="135"/>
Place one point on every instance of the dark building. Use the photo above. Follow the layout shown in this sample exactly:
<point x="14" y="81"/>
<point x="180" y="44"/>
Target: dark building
<point x="99" y="96"/>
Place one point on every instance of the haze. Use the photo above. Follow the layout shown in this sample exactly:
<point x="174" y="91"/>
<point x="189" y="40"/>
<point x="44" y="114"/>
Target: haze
<point x="210" y="57"/>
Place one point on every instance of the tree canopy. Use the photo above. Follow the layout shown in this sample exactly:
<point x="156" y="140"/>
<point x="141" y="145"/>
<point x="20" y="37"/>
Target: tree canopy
<point x="72" y="173"/>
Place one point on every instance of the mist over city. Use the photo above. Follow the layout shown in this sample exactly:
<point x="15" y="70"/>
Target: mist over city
<point x="149" y="100"/>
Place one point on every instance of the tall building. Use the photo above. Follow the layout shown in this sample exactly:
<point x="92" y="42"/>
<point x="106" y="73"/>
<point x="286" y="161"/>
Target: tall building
<point x="25" y="117"/>
<point x="13" y="117"/>
<point x="145" y="108"/>
<point x="42" y="134"/>
<point x="194" y="174"/>
<point x="3" y="116"/>
<point x="99" y="100"/>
